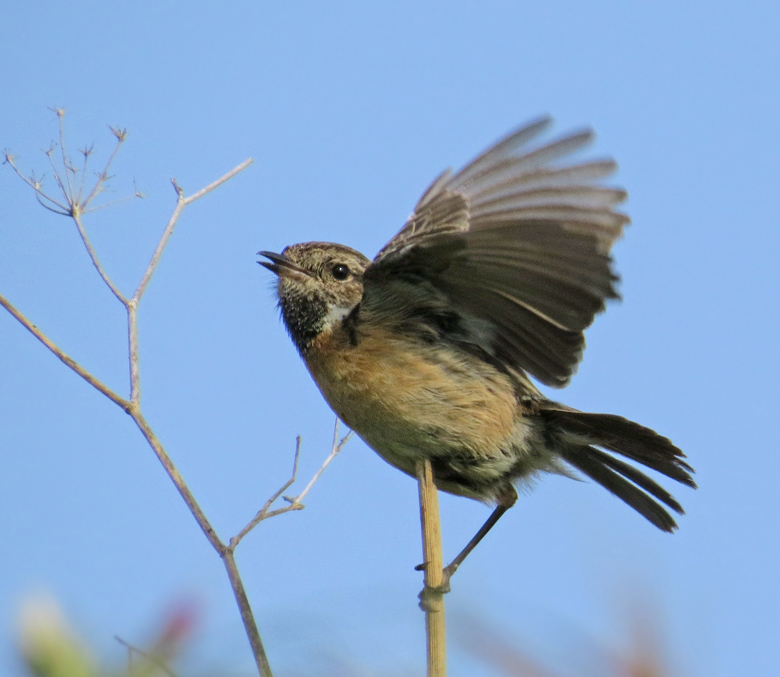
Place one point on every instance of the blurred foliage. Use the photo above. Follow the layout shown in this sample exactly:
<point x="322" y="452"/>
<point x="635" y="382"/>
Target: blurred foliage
<point x="50" y="648"/>
<point x="644" y="657"/>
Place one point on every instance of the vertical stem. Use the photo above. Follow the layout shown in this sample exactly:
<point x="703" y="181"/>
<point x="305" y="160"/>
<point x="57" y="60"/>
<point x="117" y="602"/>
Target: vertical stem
<point x="132" y="350"/>
<point x="263" y="666"/>
<point x="433" y="595"/>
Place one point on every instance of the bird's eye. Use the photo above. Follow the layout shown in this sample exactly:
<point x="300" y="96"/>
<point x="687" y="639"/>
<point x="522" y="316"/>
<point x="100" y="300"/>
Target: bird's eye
<point x="340" y="271"/>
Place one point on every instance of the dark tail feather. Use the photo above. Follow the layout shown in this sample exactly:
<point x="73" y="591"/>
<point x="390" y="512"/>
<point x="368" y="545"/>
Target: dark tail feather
<point x="586" y="460"/>
<point x="574" y="433"/>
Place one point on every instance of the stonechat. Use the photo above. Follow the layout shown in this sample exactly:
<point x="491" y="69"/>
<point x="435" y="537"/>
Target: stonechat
<point x="429" y="349"/>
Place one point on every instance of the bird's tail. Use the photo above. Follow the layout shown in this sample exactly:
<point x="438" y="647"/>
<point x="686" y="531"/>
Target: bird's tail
<point x="578" y="435"/>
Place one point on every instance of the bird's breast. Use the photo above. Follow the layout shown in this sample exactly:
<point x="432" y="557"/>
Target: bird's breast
<point x="406" y="397"/>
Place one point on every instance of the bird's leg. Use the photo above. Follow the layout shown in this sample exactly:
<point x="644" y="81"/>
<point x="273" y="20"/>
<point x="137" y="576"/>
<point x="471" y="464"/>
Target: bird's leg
<point x="505" y="501"/>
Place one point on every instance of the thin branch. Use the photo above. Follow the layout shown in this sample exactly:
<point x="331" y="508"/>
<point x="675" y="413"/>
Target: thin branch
<point x="263" y="512"/>
<point x="39" y="195"/>
<point x="69" y="361"/>
<point x="93" y="255"/>
<point x="121" y="135"/>
<point x="36" y="186"/>
<point x="295" y="502"/>
<point x="176" y="478"/>
<point x="87" y="153"/>
<point x="181" y="203"/>
<point x="248" y="618"/>
<point x="136" y="415"/>
<point x="61" y="117"/>
<point x="219" y="181"/>
<point x="91" y="210"/>
<point x="132" y="304"/>
<point x="68" y="197"/>
<point x="335" y="449"/>
<point x="132" y="407"/>
<point x="144" y="654"/>
<point x="139" y="292"/>
<point x="132" y="343"/>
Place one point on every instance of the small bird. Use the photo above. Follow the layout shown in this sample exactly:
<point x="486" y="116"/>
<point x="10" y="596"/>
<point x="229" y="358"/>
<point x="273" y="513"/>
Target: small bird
<point x="428" y="350"/>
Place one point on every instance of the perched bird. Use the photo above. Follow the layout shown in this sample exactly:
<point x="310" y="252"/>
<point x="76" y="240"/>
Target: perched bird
<point x="427" y="351"/>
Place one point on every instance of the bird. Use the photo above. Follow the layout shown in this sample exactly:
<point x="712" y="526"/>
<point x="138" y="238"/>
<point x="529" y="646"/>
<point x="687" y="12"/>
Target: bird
<point x="432" y="350"/>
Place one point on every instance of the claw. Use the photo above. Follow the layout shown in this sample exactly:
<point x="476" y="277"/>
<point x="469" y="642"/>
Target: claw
<point x="431" y="594"/>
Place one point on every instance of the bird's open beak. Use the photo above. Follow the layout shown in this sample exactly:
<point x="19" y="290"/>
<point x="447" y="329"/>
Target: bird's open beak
<point x="281" y="265"/>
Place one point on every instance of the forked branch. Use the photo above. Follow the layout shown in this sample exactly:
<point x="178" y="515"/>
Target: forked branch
<point x="295" y="502"/>
<point x="73" y="204"/>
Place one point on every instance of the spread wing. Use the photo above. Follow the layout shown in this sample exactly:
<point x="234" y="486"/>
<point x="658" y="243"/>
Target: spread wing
<point x="509" y="257"/>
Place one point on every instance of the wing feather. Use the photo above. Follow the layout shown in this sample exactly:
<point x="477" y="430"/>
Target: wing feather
<point x="513" y="242"/>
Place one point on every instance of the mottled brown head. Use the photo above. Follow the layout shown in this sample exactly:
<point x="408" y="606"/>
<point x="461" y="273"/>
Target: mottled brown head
<point x="320" y="283"/>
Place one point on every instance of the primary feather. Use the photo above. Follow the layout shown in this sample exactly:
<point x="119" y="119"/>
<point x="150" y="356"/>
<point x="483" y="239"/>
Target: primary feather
<point x="514" y="244"/>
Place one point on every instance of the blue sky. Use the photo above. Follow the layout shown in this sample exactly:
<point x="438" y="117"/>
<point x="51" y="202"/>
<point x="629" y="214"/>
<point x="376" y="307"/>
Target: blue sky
<point x="349" y="110"/>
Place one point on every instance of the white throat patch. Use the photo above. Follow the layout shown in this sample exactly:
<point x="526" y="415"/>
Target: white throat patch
<point x="335" y="315"/>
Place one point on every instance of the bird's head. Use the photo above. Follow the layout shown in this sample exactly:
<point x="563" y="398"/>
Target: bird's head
<point x="320" y="283"/>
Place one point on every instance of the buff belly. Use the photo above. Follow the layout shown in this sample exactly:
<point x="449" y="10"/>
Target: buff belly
<point x="408" y="400"/>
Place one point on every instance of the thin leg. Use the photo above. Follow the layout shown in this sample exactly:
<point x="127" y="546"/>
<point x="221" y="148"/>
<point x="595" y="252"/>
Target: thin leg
<point x="505" y="501"/>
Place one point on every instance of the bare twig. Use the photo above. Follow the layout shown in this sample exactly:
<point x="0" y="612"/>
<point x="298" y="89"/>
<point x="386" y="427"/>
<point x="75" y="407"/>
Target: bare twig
<point x="132" y="304"/>
<point x="132" y="348"/>
<point x="151" y="658"/>
<point x="36" y="186"/>
<point x="75" y="207"/>
<point x="68" y="197"/>
<point x="176" y="478"/>
<point x="106" y="205"/>
<point x="263" y="512"/>
<point x="93" y="256"/>
<point x="335" y="449"/>
<point x="261" y="659"/>
<point x="121" y="135"/>
<point x="219" y="181"/>
<point x="432" y="596"/>
<point x="181" y="203"/>
<point x="294" y="502"/>
<point x="63" y="151"/>
<point x="87" y="153"/>
<point x="136" y="415"/>
<point x="69" y="361"/>
<point x="39" y="197"/>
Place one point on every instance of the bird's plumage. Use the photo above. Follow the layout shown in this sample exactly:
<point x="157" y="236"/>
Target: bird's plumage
<point x="515" y="244"/>
<point x="427" y="349"/>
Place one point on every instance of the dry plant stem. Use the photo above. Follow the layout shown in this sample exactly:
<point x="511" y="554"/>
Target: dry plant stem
<point x="63" y="150"/>
<point x="120" y="135"/>
<point x="432" y="597"/>
<point x="135" y="414"/>
<point x="294" y="503"/>
<point x="132" y="304"/>
<point x="61" y="209"/>
<point x="224" y="551"/>
<point x="75" y="207"/>
<point x="263" y="512"/>
<point x="181" y="203"/>
<point x="132" y="347"/>
<point x="66" y="359"/>
<point x="247" y="617"/>
<point x="176" y="478"/>
<point x="132" y="650"/>
<point x="132" y="406"/>
<point x="94" y="258"/>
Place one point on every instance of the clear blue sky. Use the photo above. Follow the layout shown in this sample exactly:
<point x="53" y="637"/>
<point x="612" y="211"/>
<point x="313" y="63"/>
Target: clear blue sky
<point x="350" y="109"/>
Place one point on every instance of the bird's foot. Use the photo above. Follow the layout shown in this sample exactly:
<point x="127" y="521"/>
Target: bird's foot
<point x="431" y="595"/>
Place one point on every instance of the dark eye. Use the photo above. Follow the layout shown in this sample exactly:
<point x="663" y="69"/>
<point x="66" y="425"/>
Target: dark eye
<point x="340" y="271"/>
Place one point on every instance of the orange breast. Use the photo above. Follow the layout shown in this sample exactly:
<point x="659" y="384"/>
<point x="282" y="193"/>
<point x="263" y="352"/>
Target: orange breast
<point x="406" y="397"/>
